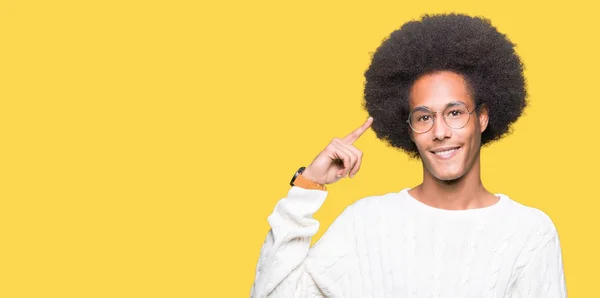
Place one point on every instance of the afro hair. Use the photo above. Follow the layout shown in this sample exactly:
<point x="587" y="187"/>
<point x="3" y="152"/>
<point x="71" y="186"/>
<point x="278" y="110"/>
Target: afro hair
<point x="469" y="46"/>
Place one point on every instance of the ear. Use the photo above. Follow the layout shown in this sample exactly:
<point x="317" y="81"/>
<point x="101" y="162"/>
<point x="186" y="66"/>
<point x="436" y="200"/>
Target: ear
<point x="483" y="117"/>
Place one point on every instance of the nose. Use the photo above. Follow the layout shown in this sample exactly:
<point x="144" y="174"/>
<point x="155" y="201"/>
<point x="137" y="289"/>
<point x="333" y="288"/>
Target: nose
<point x="440" y="130"/>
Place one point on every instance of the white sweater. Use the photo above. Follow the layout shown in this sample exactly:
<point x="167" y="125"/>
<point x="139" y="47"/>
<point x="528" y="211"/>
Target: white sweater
<point x="395" y="246"/>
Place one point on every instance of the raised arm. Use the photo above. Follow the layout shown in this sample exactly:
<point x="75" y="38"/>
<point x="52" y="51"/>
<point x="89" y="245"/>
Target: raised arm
<point x="287" y="266"/>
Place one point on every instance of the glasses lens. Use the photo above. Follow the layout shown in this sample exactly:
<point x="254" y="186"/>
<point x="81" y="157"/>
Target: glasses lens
<point x="456" y="115"/>
<point x="421" y="120"/>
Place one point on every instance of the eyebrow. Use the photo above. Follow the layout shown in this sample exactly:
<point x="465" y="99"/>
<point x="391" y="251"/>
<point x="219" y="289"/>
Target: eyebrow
<point x="452" y="103"/>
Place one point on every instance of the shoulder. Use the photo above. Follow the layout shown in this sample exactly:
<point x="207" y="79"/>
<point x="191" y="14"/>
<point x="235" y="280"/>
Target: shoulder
<point x="530" y="218"/>
<point x="536" y="232"/>
<point x="534" y="229"/>
<point x="376" y="205"/>
<point x="377" y="201"/>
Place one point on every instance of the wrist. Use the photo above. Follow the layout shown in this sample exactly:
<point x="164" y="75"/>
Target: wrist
<point x="302" y="181"/>
<point x="308" y="175"/>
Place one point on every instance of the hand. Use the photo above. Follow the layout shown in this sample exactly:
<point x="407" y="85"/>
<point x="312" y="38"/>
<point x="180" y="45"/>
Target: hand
<point x="338" y="159"/>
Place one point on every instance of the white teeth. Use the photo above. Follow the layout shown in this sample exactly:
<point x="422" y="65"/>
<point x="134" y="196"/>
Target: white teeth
<point x="446" y="153"/>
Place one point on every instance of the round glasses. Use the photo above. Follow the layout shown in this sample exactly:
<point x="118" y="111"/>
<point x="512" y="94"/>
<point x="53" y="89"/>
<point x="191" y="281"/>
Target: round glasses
<point x="455" y="114"/>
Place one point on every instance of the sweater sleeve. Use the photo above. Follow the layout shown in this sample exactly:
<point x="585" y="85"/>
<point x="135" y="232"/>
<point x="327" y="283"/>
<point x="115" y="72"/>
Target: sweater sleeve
<point x="544" y="275"/>
<point x="288" y="266"/>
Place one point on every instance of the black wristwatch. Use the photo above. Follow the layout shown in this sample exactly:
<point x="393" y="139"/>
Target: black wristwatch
<point x="300" y="170"/>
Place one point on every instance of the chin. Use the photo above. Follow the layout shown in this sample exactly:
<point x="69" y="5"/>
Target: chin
<point x="448" y="177"/>
<point x="447" y="174"/>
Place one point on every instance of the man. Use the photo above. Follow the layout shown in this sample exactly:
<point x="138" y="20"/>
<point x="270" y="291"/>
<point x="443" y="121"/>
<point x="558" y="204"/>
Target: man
<point x="438" y="88"/>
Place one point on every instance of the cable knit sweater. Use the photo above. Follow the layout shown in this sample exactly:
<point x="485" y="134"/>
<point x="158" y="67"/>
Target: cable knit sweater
<point x="395" y="246"/>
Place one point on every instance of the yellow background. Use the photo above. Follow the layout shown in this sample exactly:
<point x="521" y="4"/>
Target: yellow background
<point x="144" y="143"/>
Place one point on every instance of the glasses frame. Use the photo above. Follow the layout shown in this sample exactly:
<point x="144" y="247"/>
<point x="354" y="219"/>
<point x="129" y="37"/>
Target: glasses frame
<point x="444" y="118"/>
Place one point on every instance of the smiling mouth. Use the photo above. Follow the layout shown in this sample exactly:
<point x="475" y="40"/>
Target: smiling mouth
<point x="446" y="154"/>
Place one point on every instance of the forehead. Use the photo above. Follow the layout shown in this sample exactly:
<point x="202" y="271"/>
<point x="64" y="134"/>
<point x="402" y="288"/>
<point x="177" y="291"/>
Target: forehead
<point x="438" y="89"/>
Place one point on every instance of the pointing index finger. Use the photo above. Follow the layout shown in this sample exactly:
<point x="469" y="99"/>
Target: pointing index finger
<point x="353" y="136"/>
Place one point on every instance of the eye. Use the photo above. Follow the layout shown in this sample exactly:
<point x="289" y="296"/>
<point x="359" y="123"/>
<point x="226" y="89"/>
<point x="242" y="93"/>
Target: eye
<point x="455" y="113"/>
<point x="424" y="118"/>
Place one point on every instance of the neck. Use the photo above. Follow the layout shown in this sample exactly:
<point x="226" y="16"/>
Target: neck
<point x="466" y="192"/>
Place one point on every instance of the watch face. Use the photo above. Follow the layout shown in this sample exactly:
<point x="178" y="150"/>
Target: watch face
<point x="300" y="170"/>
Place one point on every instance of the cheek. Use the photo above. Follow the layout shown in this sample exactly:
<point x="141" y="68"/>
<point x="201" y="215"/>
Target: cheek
<point x="469" y="134"/>
<point x="420" y="141"/>
<point x="476" y="135"/>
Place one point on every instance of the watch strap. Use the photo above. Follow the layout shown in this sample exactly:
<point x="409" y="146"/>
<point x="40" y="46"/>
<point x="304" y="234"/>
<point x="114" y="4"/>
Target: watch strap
<point x="302" y="182"/>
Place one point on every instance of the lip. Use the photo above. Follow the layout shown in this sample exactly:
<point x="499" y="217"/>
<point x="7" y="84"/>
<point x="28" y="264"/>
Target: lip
<point x="446" y="148"/>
